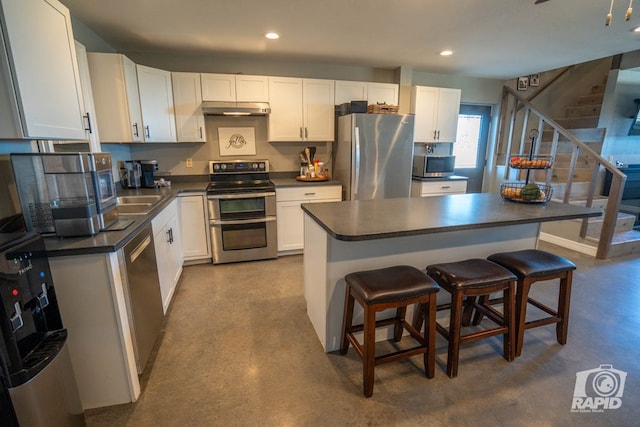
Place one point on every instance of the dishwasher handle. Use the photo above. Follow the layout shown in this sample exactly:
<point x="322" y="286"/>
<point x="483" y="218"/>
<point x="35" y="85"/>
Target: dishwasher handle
<point x="140" y="248"/>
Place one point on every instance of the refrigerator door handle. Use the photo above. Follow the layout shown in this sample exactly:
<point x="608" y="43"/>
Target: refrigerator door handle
<point x="357" y="160"/>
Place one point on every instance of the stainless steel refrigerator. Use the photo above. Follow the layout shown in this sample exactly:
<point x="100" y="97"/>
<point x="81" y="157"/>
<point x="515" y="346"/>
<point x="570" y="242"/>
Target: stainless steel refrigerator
<point x="373" y="155"/>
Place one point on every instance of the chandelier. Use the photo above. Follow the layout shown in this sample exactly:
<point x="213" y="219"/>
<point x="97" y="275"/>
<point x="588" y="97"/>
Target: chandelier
<point x="627" y="14"/>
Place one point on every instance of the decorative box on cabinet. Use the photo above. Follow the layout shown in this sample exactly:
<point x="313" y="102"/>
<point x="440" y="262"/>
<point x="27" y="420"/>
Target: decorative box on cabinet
<point x="40" y="95"/>
<point x="436" y="111"/>
<point x="438" y="188"/>
<point x="301" y="109"/>
<point x="290" y="215"/>
<point x="194" y="226"/>
<point x="187" y="100"/>
<point x="114" y="82"/>
<point x="234" y="87"/>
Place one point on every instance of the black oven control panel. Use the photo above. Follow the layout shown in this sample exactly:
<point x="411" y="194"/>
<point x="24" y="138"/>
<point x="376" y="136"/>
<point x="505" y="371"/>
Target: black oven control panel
<point x="238" y="166"/>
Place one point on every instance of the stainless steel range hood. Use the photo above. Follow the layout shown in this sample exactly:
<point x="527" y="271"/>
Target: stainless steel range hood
<point x="236" y="108"/>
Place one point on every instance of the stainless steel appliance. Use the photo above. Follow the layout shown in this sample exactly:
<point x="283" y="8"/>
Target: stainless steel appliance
<point x="242" y="211"/>
<point x="35" y="367"/>
<point x="71" y="194"/>
<point x="142" y="293"/>
<point x="373" y="155"/>
<point x="139" y="173"/>
<point x="433" y="166"/>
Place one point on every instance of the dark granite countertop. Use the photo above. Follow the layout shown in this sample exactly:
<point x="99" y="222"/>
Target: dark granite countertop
<point x="376" y="219"/>
<point x="442" y="178"/>
<point x="111" y="241"/>
<point x="293" y="182"/>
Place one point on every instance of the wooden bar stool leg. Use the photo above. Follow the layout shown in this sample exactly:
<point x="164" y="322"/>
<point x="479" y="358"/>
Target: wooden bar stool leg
<point x="369" y="359"/>
<point x="509" y="340"/>
<point x="429" y="314"/>
<point x="564" y="298"/>
<point x="347" y="319"/>
<point x="455" y="324"/>
<point x="398" y="328"/>
<point x="522" y="296"/>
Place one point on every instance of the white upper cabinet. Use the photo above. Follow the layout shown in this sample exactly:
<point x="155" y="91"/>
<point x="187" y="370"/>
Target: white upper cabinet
<point x="91" y="127"/>
<point x="234" y="87"/>
<point x="187" y="98"/>
<point x="382" y="93"/>
<point x="156" y="103"/>
<point x="40" y="95"/>
<point x="114" y="82"/>
<point x="373" y="93"/>
<point x="347" y="91"/>
<point x="301" y="109"/>
<point x="436" y="111"/>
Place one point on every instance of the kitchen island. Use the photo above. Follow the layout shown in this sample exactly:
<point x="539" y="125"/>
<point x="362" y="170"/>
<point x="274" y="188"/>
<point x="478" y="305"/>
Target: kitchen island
<point x="342" y="237"/>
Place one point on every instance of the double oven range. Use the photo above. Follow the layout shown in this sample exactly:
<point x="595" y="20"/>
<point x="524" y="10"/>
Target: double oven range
<point x="242" y="211"/>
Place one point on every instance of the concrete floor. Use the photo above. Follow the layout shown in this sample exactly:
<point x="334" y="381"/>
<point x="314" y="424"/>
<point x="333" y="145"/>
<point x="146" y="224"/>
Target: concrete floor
<point x="239" y="350"/>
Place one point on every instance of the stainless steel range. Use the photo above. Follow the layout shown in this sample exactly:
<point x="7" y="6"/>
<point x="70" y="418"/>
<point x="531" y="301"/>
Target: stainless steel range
<point x="242" y="211"/>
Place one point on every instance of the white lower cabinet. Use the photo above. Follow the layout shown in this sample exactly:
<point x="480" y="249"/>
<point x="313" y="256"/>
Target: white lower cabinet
<point x="290" y="215"/>
<point x="194" y="226"/>
<point x="167" y="240"/>
<point x="437" y="188"/>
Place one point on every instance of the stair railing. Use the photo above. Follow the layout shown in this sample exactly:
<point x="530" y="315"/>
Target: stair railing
<point x="510" y="108"/>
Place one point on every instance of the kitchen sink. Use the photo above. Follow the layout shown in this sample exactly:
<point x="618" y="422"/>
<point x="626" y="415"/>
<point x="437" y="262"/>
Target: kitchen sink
<point x="150" y="199"/>
<point x="136" y="205"/>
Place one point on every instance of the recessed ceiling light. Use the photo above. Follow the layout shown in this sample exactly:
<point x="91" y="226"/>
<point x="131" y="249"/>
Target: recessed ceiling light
<point x="636" y="30"/>
<point x="446" y="53"/>
<point x="272" y="36"/>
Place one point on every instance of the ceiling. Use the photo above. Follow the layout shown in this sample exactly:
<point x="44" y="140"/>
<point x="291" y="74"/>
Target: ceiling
<point x="490" y="38"/>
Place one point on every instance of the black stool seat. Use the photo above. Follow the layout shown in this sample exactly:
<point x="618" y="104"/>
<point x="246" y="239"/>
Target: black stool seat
<point x="470" y="273"/>
<point x="465" y="281"/>
<point x="390" y="284"/>
<point x="534" y="265"/>
<point x="379" y="290"/>
<point x="532" y="262"/>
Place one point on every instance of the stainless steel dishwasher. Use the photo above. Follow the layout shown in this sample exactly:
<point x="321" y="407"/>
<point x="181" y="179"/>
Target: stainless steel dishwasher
<point x="142" y="293"/>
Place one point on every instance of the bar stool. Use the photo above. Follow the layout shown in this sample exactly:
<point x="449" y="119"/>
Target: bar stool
<point x="530" y="266"/>
<point x="465" y="280"/>
<point x="379" y="290"/>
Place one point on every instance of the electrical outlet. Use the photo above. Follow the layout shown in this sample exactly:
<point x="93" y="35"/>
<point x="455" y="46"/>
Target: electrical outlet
<point x="189" y="162"/>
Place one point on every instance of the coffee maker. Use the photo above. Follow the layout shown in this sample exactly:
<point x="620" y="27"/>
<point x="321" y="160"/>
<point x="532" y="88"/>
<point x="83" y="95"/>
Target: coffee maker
<point x="139" y="173"/>
<point x="148" y="167"/>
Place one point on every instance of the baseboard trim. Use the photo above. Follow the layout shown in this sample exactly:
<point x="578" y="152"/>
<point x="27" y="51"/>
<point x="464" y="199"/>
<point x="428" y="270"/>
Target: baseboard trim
<point x="569" y="244"/>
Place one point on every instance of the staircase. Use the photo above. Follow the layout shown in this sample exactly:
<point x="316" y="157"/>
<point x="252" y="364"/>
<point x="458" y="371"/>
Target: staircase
<point x="575" y="143"/>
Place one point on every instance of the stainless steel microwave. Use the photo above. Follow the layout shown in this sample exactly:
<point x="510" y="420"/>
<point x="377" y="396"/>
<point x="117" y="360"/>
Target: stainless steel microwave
<point x="433" y="166"/>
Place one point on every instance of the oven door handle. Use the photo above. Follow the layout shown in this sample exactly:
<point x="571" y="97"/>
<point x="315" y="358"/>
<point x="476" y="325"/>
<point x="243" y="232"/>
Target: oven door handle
<point x="239" y="195"/>
<point x="216" y="222"/>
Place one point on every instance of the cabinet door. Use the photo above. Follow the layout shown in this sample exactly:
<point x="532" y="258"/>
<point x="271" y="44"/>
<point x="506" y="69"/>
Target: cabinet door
<point x="378" y="93"/>
<point x="346" y="91"/>
<point x="167" y="241"/>
<point x="194" y="226"/>
<point x="187" y="99"/>
<point x="448" y="110"/>
<point x="318" y="109"/>
<point x="114" y="83"/>
<point x="218" y="87"/>
<point x="290" y="225"/>
<point x="424" y="104"/>
<point x="285" y="98"/>
<point x="252" y="88"/>
<point x="156" y="102"/>
<point x="87" y="99"/>
<point x="42" y="56"/>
